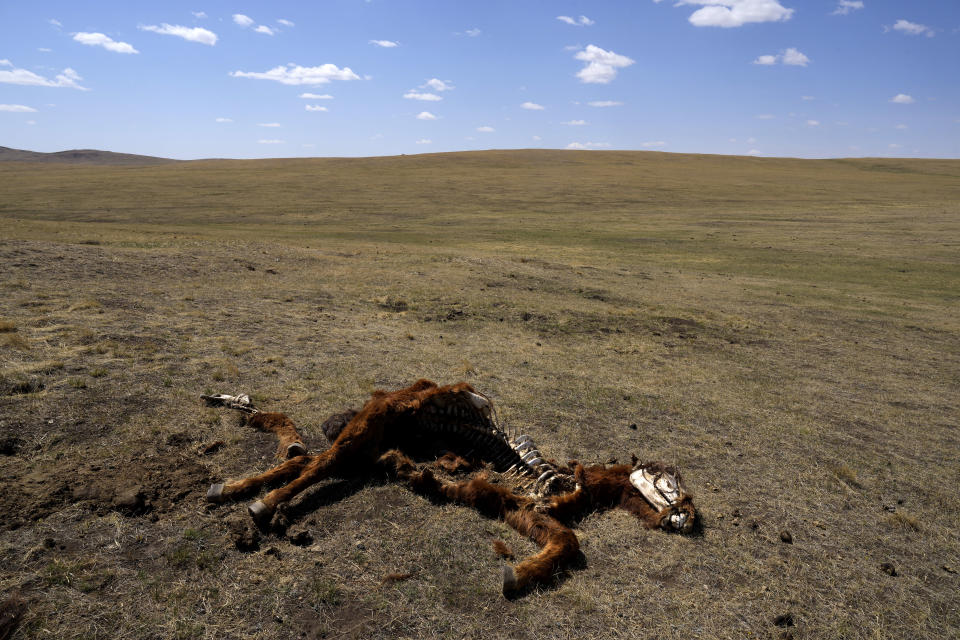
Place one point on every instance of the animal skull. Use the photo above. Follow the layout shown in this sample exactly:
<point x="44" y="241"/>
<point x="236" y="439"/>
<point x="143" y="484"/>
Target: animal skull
<point x="663" y="490"/>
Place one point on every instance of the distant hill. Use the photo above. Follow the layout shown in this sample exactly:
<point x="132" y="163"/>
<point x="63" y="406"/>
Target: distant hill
<point x="79" y="156"/>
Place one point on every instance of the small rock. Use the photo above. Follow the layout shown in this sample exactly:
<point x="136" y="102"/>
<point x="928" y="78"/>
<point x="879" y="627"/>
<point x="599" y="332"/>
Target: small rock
<point x="633" y="426"/>
<point x="889" y="569"/>
<point x="785" y="537"/>
<point x="784" y="620"/>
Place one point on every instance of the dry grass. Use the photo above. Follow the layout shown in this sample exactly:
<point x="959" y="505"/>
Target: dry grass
<point x="784" y="331"/>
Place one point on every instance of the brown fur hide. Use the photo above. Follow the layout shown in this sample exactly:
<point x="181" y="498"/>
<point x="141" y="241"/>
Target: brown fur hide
<point x="374" y="438"/>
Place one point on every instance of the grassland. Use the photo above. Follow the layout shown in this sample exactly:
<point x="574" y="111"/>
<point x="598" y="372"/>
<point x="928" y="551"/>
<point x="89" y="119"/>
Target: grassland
<point x="786" y="331"/>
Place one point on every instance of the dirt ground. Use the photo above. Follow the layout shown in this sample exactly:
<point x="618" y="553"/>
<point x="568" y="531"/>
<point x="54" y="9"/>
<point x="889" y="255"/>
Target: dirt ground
<point x="813" y="411"/>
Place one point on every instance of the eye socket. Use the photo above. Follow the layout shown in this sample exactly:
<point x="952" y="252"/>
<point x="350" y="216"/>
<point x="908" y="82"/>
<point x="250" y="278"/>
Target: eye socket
<point x="667" y="484"/>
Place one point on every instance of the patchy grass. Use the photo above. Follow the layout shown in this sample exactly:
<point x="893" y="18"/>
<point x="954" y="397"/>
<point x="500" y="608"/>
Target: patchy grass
<point x="783" y="330"/>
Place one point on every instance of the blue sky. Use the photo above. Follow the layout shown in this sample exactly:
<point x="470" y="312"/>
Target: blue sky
<point x="818" y="78"/>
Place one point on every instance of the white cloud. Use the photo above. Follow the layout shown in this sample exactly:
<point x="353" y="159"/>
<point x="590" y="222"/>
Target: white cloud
<point x="265" y="30"/>
<point x="807" y="98"/>
<point x="285" y="22"/>
<point x="532" y="106"/>
<point x="416" y="95"/>
<point x="793" y="57"/>
<point x="846" y="6"/>
<point x="316" y="96"/>
<point x="67" y="78"/>
<point x="912" y="28"/>
<point x="269" y="124"/>
<point x="31" y="122"/>
<point x="55" y="22"/>
<point x="194" y="34"/>
<point x="242" y="20"/>
<point x="424" y="141"/>
<point x="902" y="127"/>
<point x="575" y="123"/>
<point x="754" y="152"/>
<point x="765" y="116"/>
<point x="426" y="115"/>
<point x="44" y="49"/>
<point x="473" y="33"/>
<point x="437" y="85"/>
<point x="605" y="103"/>
<point x="654" y="144"/>
<point x="272" y="141"/>
<point x="601" y="65"/>
<point x="386" y="44"/>
<point x="224" y="120"/>
<point x="582" y="21"/>
<point x="588" y="145"/>
<point x="902" y="98"/>
<point x="314" y="107"/>
<point x="486" y="129"/>
<point x="894" y="145"/>
<point x="735" y="13"/>
<point x="813" y="123"/>
<point x="105" y="41"/>
<point x="751" y="140"/>
<point x="199" y="15"/>
<point x="790" y="56"/>
<point x="17" y="108"/>
<point x="294" y="74"/>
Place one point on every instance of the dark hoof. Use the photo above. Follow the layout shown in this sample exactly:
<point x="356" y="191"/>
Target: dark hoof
<point x="509" y="581"/>
<point x="260" y="513"/>
<point x="296" y="449"/>
<point x="215" y="493"/>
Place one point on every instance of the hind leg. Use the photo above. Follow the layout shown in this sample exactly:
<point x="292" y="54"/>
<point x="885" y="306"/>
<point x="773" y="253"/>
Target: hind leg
<point x="283" y="472"/>
<point x="559" y="545"/>
<point x="334" y="462"/>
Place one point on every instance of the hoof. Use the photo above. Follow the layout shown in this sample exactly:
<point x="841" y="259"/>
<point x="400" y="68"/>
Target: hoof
<point x="509" y="580"/>
<point x="215" y="493"/>
<point x="260" y="513"/>
<point x="296" y="449"/>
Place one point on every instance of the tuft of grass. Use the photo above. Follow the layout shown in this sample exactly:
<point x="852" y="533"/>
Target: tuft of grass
<point x="77" y="383"/>
<point x="325" y="592"/>
<point x="85" y="305"/>
<point x="7" y="326"/>
<point x="98" y="372"/>
<point x="15" y="341"/>
<point x="904" y="520"/>
<point x="844" y="474"/>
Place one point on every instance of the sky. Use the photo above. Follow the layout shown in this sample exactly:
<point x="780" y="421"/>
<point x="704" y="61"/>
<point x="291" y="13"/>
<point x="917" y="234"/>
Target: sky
<point x="203" y="79"/>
